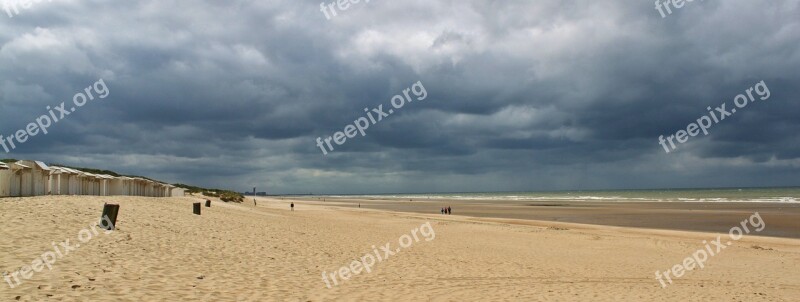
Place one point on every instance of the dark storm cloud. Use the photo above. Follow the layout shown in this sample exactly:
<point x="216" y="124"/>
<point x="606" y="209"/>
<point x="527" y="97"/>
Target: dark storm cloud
<point x="522" y="94"/>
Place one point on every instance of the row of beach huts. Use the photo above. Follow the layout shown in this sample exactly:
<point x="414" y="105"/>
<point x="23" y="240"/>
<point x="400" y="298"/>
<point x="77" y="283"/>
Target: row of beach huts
<point x="35" y="178"/>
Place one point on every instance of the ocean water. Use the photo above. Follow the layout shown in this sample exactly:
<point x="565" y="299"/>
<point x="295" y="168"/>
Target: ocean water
<point x="780" y="195"/>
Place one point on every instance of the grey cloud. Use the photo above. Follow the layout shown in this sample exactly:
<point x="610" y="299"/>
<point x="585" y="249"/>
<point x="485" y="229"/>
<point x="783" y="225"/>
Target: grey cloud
<point x="523" y="95"/>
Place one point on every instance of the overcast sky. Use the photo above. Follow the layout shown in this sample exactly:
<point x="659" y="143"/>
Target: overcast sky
<point x="522" y="95"/>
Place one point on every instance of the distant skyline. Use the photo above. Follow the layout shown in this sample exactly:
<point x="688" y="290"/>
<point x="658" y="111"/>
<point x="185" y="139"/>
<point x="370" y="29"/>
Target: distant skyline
<point x="521" y="96"/>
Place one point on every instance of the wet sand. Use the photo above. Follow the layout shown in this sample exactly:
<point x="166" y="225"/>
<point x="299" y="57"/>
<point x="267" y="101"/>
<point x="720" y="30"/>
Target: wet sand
<point x="782" y="219"/>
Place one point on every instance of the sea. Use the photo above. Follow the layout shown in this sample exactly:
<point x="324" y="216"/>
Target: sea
<point x="771" y="195"/>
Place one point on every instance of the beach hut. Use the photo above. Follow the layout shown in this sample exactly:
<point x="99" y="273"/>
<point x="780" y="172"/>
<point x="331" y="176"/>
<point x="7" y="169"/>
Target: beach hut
<point x="177" y="192"/>
<point x="65" y="181"/>
<point x="83" y="183"/>
<point x="21" y="179"/>
<point x="38" y="178"/>
<point x="55" y="180"/>
<point x="32" y="178"/>
<point x="91" y="184"/>
<point x="60" y="179"/>
<point x="70" y="184"/>
<point x="150" y="189"/>
<point x="136" y="187"/>
<point x="5" y="180"/>
<point x="119" y="186"/>
<point x="130" y="186"/>
<point x="168" y="190"/>
<point x="147" y="188"/>
<point x="105" y="184"/>
<point x="141" y="187"/>
<point x="160" y="189"/>
<point x="41" y="177"/>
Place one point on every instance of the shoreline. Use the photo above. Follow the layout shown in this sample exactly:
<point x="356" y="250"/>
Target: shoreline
<point x="782" y="219"/>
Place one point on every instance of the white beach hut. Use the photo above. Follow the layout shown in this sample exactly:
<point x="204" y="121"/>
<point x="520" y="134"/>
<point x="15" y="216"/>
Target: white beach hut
<point x="139" y="187"/>
<point x="38" y="180"/>
<point x="90" y="184"/>
<point x="158" y="189"/>
<point x="168" y="190"/>
<point x="130" y="186"/>
<point x="117" y="185"/>
<point x="177" y="192"/>
<point x="123" y="186"/>
<point x="150" y="189"/>
<point x="105" y="184"/>
<point x="41" y="177"/>
<point x="64" y="181"/>
<point x="136" y="187"/>
<point x="70" y="182"/>
<point x="55" y="180"/>
<point x="5" y="180"/>
<point x="21" y="179"/>
<point x="32" y="178"/>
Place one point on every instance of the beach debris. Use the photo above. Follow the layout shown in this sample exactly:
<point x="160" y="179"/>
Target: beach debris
<point x="108" y="220"/>
<point x="757" y="247"/>
<point x="197" y="208"/>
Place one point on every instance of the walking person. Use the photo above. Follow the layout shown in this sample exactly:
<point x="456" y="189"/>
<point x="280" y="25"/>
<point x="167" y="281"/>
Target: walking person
<point x="292" y="206"/>
<point x="449" y="210"/>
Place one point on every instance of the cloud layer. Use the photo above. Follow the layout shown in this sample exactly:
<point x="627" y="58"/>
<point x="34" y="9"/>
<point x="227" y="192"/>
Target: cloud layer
<point x="523" y="95"/>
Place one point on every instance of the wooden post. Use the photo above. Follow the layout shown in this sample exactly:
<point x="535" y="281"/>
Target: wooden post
<point x="109" y="219"/>
<point x="208" y="203"/>
<point x="197" y="208"/>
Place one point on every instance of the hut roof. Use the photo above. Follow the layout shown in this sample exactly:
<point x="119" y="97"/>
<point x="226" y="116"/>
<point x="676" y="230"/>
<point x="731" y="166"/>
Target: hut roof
<point x="68" y="170"/>
<point x="42" y="165"/>
<point x="18" y="165"/>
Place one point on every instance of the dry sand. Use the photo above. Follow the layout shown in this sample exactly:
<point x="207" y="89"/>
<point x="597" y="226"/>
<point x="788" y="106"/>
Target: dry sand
<point x="238" y="252"/>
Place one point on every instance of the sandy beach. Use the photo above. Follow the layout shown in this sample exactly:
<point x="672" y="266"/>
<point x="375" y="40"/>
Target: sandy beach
<point x="583" y="151"/>
<point x="242" y="252"/>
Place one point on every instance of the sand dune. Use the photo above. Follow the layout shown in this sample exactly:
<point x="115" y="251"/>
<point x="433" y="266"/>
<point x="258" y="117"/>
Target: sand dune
<point x="238" y="252"/>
